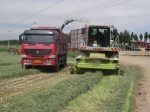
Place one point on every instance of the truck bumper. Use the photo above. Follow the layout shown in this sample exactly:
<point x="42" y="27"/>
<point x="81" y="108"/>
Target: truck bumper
<point x="38" y="62"/>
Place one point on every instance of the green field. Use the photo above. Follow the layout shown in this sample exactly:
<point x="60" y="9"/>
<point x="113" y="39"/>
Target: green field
<point x="90" y="92"/>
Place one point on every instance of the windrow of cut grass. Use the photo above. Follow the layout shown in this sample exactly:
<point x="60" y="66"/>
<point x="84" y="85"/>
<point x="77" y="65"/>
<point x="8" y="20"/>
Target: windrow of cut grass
<point x="112" y="94"/>
<point x="54" y="98"/>
<point x="19" y="73"/>
<point x="121" y="97"/>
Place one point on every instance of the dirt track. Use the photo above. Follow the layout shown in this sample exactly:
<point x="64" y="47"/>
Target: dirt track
<point x="142" y="97"/>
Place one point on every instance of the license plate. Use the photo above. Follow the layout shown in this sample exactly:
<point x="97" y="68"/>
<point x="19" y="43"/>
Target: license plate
<point x="37" y="61"/>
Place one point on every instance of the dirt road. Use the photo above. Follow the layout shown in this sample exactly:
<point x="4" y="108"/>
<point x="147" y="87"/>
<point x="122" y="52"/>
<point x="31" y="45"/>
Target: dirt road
<point x="142" y="97"/>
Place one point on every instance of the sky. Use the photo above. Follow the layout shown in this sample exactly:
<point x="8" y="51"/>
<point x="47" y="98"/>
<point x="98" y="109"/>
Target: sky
<point x="19" y="15"/>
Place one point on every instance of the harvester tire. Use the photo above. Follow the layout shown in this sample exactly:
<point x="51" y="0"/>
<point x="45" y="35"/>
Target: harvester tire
<point x="121" y="72"/>
<point x="71" y="71"/>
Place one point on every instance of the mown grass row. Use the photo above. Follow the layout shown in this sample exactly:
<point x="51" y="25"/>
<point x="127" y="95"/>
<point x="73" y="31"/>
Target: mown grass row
<point x="112" y="94"/>
<point x="121" y="97"/>
<point x="56" y="97"/>
<point x="19" y="73"/>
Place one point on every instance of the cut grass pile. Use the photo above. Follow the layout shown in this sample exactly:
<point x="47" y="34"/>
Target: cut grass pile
<point x="55" y="98"/>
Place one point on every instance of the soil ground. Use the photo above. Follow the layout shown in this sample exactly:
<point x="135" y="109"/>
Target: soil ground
<point x="142" y="96"/>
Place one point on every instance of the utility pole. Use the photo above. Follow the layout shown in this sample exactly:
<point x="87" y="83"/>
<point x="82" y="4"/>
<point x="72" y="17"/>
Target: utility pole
<point x="9" y="39"/>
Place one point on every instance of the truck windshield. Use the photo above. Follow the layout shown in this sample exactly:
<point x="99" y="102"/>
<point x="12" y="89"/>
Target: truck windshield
<point x="99" y="37"/>
<point x="38" y="39"/>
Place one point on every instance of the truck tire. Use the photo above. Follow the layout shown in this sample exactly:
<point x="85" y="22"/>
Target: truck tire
<point x="64" y="62"/>
<point x="55" y="68"/>
<point x="27" y="66"/>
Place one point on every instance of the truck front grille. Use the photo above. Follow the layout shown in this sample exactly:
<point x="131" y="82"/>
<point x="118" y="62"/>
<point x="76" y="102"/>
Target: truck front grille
<point x="37" y="51"/>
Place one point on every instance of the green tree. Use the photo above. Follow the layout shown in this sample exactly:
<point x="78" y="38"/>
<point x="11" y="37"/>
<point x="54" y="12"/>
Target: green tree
<point x="141" y="37"/>
<point x="132" y="36"/>
<point x="121" y="37"/>
<point x="149" y="36"/>
<point x="127" y="37"/>
<point x="135" y="37"/>
<point x="145" y="36"/>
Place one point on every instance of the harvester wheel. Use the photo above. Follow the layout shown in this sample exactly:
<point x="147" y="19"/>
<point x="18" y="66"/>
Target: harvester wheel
<point x="71" y="70"/>
<point x="121" y="72"/>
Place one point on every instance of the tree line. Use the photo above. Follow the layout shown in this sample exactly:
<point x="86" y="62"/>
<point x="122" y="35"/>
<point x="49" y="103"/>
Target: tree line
<point x="127" y="37"/>
<point x="9" y="42"/>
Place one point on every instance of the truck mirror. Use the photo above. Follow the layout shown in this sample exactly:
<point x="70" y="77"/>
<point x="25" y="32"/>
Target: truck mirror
<point x="21" y="37"/>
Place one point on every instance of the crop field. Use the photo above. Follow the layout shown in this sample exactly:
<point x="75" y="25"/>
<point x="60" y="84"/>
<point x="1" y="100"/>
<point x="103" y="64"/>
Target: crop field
<point x="38" y="90"/>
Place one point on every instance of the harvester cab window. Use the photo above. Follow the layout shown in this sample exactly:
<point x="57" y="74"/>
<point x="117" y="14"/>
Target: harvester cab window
<point x="99" y="37"/>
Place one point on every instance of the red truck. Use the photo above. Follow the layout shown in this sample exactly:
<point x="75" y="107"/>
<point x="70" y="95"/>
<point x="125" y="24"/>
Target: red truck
<point x="140" y="44"/>
<point x="44" y="46"/>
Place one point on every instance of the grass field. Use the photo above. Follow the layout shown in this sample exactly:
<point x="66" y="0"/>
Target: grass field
<point x="64" y="92"/>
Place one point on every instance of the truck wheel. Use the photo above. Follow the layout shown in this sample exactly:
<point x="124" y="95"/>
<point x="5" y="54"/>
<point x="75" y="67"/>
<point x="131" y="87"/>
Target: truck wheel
<point x="71" y="71"/>
<point x="27" y="67"/>
<point x="55" y="68"/>
<point x="64" y="62"/>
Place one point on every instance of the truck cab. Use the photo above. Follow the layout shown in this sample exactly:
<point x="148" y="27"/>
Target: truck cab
<point x="43" y="46"/>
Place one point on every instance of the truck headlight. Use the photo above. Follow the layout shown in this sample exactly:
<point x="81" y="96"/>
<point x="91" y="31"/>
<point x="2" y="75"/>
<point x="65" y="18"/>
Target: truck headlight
<point x="52" y="56"/>
<point x="24" y="56"/>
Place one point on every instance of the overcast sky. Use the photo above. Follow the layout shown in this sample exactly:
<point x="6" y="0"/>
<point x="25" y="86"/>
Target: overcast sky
<point x="19" y="15"/>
